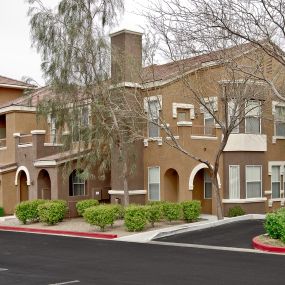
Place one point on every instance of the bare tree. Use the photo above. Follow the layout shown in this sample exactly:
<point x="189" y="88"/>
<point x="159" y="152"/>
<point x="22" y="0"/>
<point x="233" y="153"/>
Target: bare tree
<point x="201" y="40"/>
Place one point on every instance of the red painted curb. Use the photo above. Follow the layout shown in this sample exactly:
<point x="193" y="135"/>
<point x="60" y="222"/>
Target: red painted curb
<point x="58" y="232"/>
<point x="265" y="247"/>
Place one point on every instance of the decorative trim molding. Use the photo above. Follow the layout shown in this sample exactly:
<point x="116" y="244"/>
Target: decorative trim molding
<point x="131" y="192"/>
<point x="25" y="169"/>
<point x="38" y="132"/>
<point x="204" y="138"/>
<point x="244" y="201"/>
<point x="195" y="171"/>
<point x="184" y="124"/>
<point x="176" y="106"/>
<point x="44" y="163"/>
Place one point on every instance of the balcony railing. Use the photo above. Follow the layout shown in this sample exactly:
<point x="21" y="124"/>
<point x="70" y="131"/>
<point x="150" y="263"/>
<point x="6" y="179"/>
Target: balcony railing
<point x="3" y="142"/>
<point x="208" y="131"/>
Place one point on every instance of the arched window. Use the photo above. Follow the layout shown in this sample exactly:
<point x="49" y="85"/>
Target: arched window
<point x="76" y="185"/>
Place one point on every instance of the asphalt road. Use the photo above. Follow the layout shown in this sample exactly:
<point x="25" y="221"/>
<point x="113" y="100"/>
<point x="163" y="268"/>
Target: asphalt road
<point x="237" y="234"/>
<point x="41" y="259"/>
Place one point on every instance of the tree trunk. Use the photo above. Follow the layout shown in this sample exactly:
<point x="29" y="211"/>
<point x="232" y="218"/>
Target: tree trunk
<point x="219" y="205"/>
<point x="126" y="188"/>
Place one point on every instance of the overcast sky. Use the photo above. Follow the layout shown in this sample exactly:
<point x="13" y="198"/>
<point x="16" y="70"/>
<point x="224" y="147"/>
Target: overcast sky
<point x="17" y="57"/>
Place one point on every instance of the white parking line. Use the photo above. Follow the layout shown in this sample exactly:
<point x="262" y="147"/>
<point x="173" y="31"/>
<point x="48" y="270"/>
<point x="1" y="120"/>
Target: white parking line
<point x="68" y="282"/>
<point x="3" y="269"/>
<point x="212" y="247"/>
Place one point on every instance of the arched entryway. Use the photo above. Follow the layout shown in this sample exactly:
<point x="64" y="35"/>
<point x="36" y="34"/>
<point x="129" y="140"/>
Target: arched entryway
<point x="171" y="185"/>
<point x="202" y="190"/>
<point x="24" y="188"/>
<point x="44" y="185"/>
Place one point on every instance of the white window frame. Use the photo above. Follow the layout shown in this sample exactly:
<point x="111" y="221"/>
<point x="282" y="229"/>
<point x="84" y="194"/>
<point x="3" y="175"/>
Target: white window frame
<point x="246" y="116"/>
<point x="238" y="166"/>
<point x="148" y="182"/>
<point x="150" y="120"/>
<point x="230" y="114"/>
<point x="210" y="181"/>
<point x="260" y="166"/>
<point x="274" y="105"/>
<point x="280" y="184"/>
<point x="78" y="183"/>
<point x="52" y="129"/>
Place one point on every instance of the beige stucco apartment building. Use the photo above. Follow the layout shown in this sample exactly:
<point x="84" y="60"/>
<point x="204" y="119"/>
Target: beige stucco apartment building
<point x="252" y="166"/>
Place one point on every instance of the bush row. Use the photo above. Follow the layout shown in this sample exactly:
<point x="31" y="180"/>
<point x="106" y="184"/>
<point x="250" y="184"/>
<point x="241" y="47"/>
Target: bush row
<point x="45" y="211"/>
<point x="275" y="224"/>
<point x="136" y="216"/>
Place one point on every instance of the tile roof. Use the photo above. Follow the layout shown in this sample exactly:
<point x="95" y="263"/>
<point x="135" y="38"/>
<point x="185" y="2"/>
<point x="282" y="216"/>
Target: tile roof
<point x="31" y="99"/>
<point x="172" y="69"/>
<point x="12" y="82"/>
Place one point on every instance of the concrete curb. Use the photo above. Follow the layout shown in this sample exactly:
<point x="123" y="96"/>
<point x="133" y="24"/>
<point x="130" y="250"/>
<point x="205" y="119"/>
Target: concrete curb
<point x="58" y="232"/>
<point x="257" y="244"/>
<point x="193" y="227"/>
<point x="155" y="234"/>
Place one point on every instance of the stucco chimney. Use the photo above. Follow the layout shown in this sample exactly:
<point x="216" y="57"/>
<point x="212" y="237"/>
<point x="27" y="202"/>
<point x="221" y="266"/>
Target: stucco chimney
<point x="126" y="56"/>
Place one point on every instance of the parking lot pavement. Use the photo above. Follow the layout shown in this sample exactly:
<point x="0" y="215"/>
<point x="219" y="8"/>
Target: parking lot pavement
<point x="33" y="259"/>
<point x="236" y="234"/>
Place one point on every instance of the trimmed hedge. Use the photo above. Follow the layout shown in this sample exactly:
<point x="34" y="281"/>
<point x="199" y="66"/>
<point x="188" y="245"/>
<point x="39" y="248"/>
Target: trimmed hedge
<point x="28" y="210"/>
<point x="171" y="211"/>
<point x="100" y="216"/>
<point x="191" y="210"/>
<point x="63" y="207"/>
<point x="81" y="206"/>
<point x="236" y="211"/>
<point x="52" y="212"/>
<point x="135" y="218"/>
<point x="153" y="213"/>
<point x="1" y="212"/>
<point x="275" y="225"/>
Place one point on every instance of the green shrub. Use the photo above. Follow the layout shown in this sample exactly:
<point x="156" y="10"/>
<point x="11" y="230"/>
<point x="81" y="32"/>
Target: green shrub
<point x="28" y="210"/>
<point x="152" y="203"/>
<point x="153" y="213"/>
<point x="63" y="208"/>
<point x="51" y="212"/>
<point x="100" y="216"/>
<point x="171" y="211"/>
<point x="191" y="210"/>
<point x="81" y="206"/>
<point x="119" y="211"/>
<point x="236" y="211"/>
<point x="1" y="212"/>
<point x="275" y="224"/>
<point x="135" y="218"/>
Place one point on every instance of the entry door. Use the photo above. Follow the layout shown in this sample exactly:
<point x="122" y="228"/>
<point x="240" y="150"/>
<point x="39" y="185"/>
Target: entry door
<point x="24" y="189"/>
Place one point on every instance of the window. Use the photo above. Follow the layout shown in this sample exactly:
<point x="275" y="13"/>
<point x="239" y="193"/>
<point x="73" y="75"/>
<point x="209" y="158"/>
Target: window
<point x="207" y="186"/>
<point x="76" y="185"/>
<point x="183" y="115"/>
<point x="154" y="183"/>
<point x="232" y="116"/>
<point x="275" y="181"/>
<point x="234" y="182"/>
<point x="79" y="125"/>
<point x="280" y="121"/>
<point x="153" y="119"/>
<point x="209" y="123"/>
<point x="252" y="117"/>
<point x="53" y="129"/>
<point x="253" y="181"/>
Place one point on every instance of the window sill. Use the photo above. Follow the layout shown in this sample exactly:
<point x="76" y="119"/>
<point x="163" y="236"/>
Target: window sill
<point x="184" y="124"/>
<point x="204" y="138"/>
<point x="3" y="148"/>
<point x="154" y="139"/>
<point x="131" y="192"/>
<point x="244" y="201"/>
<point x="275" y="138"/>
